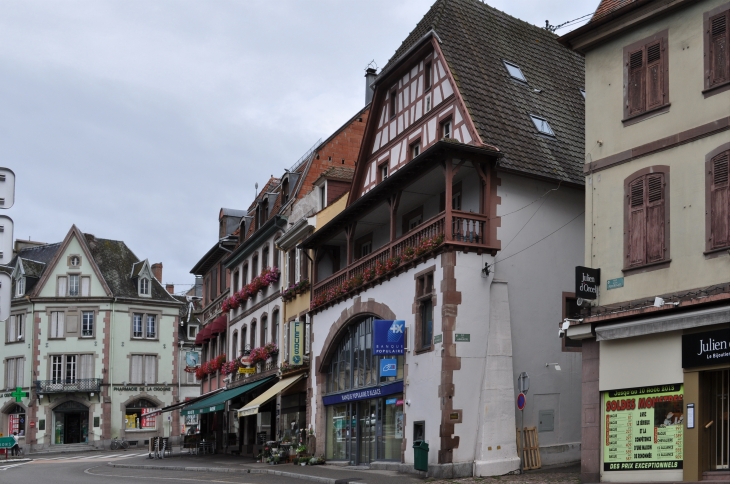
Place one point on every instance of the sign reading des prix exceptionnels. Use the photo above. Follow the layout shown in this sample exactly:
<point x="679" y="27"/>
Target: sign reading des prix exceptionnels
<point x="644" y="428"/>
<point x="587" y="281"/>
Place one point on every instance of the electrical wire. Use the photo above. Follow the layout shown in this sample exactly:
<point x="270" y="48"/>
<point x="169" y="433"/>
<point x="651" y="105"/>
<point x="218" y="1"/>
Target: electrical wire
<point x="537" y="242"/>
<point x="534" y="201"/>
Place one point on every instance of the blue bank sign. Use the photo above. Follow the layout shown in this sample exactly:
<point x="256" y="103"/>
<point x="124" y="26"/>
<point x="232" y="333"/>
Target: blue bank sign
<point x="389" y="337"/>
<point x="364" y="394"/>
<point x="388" y="367"/>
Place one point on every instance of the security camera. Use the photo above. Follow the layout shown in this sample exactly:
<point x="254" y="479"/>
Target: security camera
<point x="561" y="333"/>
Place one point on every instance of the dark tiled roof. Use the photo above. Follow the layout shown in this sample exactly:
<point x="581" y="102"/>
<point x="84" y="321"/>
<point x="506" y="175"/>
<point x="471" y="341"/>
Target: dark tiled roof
<point x="40" y="255"/>
<point x="33" y="268"/>
<point x="609" y="6"/>
<point x="115" y="262"/>
<point x="475" y="39"/>
<point x="136" y="267"/>
<point x="339" y="173"/>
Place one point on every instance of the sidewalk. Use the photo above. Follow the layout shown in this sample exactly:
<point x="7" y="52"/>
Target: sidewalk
<point x="331" y="474"/>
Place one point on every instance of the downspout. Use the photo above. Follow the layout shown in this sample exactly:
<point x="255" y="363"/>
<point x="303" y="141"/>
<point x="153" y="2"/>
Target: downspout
<point x="31" y="365"/>
<point x="110" y="370"/>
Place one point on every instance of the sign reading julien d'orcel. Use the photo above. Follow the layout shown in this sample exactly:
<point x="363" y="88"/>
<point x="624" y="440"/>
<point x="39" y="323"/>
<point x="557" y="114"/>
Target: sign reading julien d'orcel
<point x="587" y="281"/>
<point x="706" y="348"/>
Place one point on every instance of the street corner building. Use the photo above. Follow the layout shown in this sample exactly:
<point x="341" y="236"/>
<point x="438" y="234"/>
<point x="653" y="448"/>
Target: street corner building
<point x="654" y="333"/>
<point x="465" y="205"/>
<point x="90" y="346"/>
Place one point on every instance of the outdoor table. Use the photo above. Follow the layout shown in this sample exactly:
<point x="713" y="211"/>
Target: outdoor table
<point x="206" y="447"/>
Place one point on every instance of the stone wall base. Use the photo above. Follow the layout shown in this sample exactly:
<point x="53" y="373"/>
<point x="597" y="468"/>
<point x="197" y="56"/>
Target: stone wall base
<point x="497" y="467"/>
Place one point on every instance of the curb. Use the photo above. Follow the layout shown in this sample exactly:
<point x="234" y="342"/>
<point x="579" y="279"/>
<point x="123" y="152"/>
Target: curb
<point x="291" y="475"/>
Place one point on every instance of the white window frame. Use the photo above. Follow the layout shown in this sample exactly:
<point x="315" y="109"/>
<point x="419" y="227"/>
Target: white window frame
<point x="153" y="319"/>
<point x="515" y="72"/>
<point x="87" y="319"/>
<point x="74" y="285"/>
<point x="383" y="171"/>
<point x="58" y="325"/>
<point x="19" y="327"/>
<point x="144" y="286"/>
<point x="57" y="363"/>
<point x="20" y="287"/>
<point x="194" y="333"/>
<point x="447" y="130"/>
<point x="542" y="126"/>
<point x="138" y="318"/>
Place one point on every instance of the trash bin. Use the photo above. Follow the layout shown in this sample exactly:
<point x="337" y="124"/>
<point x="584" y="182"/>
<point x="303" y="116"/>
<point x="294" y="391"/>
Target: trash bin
<point x="420" y="455"/>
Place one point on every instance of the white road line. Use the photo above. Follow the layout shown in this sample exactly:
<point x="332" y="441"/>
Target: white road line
<point x="4" y="468"/>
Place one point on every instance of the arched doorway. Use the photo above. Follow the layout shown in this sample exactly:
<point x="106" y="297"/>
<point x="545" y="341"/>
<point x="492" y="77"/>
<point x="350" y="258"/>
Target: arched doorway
<point x="364" y="410"/>
<point x="71" y="423"/>
<point x="15" y="419"/>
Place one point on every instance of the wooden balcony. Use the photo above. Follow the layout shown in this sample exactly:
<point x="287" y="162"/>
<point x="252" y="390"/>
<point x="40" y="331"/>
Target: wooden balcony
<point x="468" y="231"/>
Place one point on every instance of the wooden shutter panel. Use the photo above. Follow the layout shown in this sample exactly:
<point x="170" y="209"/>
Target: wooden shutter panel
<point x="654" y="75"/>
<point x="655" y="206"/>
<point x="719" y="56"/>
<point x="637" y="223"/>
<point x="61" y="287"/>
<point x="720" y="201"/>
<point x="635" y="88"/>
<point x="150" y="369"/>
<point x="136" y="373"/>
<point x="86" y="367"/>
<point x="85" y="286"/>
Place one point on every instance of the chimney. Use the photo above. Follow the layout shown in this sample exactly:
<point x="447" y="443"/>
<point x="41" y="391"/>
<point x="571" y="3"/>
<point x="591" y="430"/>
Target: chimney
<point x="157" y="271"/>
<point x="170" y="288"/>
<point x="370" y="75"/>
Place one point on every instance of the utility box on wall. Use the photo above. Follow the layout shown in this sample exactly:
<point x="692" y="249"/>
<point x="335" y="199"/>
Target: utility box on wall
<point x="546" y="422"/>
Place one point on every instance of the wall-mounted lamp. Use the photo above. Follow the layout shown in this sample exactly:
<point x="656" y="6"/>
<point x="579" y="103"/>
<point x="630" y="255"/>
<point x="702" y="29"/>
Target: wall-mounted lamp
<point x="659" y="302"/>
<point x="557" y="366"/>
<point x="486" y="270"/>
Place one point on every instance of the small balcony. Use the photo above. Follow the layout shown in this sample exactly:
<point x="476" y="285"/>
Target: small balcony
<point x="85" y="385"/>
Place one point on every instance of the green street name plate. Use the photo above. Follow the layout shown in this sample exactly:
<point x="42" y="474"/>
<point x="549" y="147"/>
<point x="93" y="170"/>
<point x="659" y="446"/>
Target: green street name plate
<point x="615" y="283"/>
<point x="463" y="337"/>
<point x="438" y="338"/>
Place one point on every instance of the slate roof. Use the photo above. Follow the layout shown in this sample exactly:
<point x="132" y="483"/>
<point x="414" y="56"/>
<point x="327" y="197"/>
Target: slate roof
<point x="37" y="255"/>
<point x="475" y="39"/>
<point x="115" y="260"/>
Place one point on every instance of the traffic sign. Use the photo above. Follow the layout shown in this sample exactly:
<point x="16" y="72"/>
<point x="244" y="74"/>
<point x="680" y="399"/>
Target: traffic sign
<point x="523" y="382"/>
<point x="521" y="401"/>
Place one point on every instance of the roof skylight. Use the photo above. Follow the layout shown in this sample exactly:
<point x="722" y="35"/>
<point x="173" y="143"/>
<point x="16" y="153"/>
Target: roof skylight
<point x="515" y="72"/>
<point x="542" y="125"/>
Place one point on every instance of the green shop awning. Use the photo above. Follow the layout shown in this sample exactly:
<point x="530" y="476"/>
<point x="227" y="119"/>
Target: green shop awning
<point x="218" y="401"/>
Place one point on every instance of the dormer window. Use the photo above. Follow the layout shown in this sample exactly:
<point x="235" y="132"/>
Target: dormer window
<point x="20" y="287"/>
<point x="542" y="125"/>
<point x="446" y="129"/>
<point x="514" y="71"/>
<point x="144" y="286"/>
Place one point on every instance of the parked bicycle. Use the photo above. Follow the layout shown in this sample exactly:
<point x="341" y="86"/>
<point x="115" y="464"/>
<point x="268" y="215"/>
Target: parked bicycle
<point x="119" y="444"/>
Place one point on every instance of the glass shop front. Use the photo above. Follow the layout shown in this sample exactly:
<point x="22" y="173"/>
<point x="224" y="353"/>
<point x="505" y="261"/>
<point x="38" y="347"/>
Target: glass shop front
<point x="364" y="411"/>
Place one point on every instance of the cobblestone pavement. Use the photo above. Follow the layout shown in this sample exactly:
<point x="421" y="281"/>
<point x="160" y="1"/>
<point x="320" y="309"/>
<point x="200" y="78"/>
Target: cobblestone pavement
<point x="562" y="475"/>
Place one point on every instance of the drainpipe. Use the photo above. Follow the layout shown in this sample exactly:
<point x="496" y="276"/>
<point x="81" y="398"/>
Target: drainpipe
<point x="32" y="367"/>
<point x="109" y="370"/>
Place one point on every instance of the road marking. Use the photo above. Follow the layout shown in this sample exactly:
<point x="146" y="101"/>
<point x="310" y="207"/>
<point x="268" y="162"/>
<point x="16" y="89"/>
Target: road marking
<point x="87" y="471"/>
<point x="4" y="468"/>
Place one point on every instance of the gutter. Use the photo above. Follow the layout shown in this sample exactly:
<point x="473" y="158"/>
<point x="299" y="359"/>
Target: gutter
<point x="243" y="250"/>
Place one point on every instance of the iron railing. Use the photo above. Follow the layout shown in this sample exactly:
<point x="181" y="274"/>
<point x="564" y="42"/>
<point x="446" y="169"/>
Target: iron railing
<point x="65" y="386"/>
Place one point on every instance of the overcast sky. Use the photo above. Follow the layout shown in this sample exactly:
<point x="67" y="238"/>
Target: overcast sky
<point x="139" y="120"/>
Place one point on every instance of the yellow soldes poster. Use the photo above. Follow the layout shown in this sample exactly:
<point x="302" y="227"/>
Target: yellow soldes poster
<point x="643" y="428"/>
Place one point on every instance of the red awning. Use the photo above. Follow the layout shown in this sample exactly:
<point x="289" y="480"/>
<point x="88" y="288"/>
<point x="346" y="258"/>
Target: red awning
<point x="219" y="325"/>
<point x="203" y="335"/>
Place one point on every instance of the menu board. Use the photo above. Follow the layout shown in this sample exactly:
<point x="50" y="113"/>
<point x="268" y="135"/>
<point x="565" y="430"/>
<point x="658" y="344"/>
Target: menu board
<point x="643" y="428"/>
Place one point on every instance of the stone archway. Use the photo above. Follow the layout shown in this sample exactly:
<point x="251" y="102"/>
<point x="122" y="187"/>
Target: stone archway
<point x="358" y="310"/>
<point x="70" y="422"/>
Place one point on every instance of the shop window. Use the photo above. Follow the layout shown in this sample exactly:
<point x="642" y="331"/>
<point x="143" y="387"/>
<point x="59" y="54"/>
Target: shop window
<point x="425" y="301"/>
<point x="571" y="310"/>
<point x="135" y="415"/>
<point x="16" y="420"/>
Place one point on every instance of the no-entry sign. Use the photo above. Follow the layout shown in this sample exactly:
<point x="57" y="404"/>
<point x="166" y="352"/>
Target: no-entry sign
<point x="521" y="400"/>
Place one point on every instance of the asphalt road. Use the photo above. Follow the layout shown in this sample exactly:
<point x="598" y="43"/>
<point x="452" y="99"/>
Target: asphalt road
<point x="91" y="468"/>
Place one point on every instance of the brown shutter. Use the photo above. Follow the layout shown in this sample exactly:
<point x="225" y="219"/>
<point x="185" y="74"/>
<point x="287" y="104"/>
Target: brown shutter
<point x="292" y="266"/>
<point x="719" y="233"/>
<point x="214" y="283"/>
<point x="637" y="223"/>
<point x="719" y="55"/>
<point x="655" y="205"/>
<point x="654" y="75"/>
<point x="304" y="261"/>
<point x="636" y="90"/>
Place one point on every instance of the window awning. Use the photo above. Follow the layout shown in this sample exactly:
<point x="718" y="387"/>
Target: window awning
<point x="218" y="326"/>
<point x="252" y="408"/>
<point x="218" y="402"/>
<point x="179" y="405"/>
<point x="203" y="336"/>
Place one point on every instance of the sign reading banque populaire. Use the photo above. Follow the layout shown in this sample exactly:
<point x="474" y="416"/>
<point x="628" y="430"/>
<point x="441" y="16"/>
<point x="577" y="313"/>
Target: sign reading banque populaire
<point x="587" y="281"/>
<point x="706" y="348"/>
<point x="389" y="337"/>
<point x="644" y="428"/>
<point x="364" y="394"/>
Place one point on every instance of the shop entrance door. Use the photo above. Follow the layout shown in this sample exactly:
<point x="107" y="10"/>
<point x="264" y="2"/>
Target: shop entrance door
<point x="719" y="384"/>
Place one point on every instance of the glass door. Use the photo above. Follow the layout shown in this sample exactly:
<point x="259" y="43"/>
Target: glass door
<point x="719" y="410"/>
<point x="367" y="415"/>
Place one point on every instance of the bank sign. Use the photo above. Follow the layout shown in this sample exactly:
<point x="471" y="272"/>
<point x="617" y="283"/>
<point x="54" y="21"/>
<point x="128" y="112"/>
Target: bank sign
<point x="296" y="342"/>
<point x="587" y="281"/>
<point x="389" y="337"/>
<point x="706" y="348"/>
<point x="644" y="428"/>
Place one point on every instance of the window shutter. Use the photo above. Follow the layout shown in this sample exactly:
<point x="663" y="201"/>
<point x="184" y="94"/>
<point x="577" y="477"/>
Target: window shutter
<point x="655" y="218"/>
<point x="11" y="373"/>
<point x="136" y="373"/>
<point x="19" y="370"/>
<point x="654" y="75"/>
<point x="62" y="287"/>
<point x="85" y="286"/>
<point x="150" y="367"/>
<point x="292" y="265"/>
<point x="86" y="369"/>
<point x="719" y="199"/>
<point x="635" y="97"/>
<point x="8" y="324"/>
<point x="304" y="270"/>
<point x="11" y="329"/>
<point x="719" y="56"/>
<point x="637" y="223"/>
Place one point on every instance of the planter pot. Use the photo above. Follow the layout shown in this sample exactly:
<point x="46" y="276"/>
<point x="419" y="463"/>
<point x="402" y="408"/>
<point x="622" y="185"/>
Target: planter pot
<point x="303" y="464"/>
